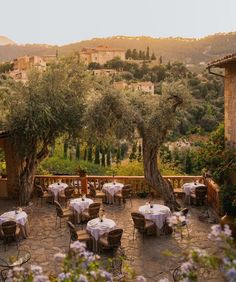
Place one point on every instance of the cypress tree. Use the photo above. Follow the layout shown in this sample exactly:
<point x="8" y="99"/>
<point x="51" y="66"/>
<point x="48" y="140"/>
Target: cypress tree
<point x="140" y="55"/>
<point x="133" y="155"/>
<point x="135" y="54"/>
<point x="153" y="57"/>
<point x="139" y="152"/>
<point x="65" y="150"/>
<point x="77" y="151"/>
<point x="108" y="156"/>
<point x="90" y="153"/>
<point x="103" y="160"/>
<point x="85" y="154"/>
<point x="118" y="155"/>
<point x="128" y="54"/>
<point x="147" y="54"/>
<point x="97" y="155"/>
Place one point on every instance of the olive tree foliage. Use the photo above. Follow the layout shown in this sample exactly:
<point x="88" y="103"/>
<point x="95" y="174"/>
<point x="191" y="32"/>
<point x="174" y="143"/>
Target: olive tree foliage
<point x="115" y="114"/>
<point x="48" y="105"/>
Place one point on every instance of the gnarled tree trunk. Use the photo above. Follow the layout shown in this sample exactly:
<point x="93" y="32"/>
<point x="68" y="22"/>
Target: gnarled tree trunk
<point x="153" y="176"/>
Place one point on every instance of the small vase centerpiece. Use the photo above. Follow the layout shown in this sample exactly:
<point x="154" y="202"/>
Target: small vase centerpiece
<point x="151" y="204"/>
<point x="83" y="198"/>
<point x="101" y="214"/>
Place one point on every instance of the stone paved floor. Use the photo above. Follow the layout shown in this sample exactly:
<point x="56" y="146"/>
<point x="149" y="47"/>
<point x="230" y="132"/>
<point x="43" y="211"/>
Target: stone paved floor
<point x="145" y="257"/>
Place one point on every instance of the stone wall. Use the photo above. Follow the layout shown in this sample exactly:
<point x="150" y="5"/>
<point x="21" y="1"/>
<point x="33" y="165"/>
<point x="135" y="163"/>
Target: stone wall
<point x="230" y="105"/>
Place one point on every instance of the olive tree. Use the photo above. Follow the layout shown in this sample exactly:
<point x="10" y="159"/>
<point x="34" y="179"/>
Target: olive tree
<point x="115" y="114"/>
<point x="48" y="105"/>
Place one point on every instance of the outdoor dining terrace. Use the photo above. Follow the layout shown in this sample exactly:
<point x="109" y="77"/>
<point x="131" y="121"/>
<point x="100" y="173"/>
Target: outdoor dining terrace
<point x="146" y="255"/>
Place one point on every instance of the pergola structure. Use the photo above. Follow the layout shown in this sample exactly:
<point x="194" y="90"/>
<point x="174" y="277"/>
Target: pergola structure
<point x="229" y="64"/>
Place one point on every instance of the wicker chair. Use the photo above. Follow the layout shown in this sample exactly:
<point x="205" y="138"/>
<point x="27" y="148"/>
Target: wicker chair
<point x="62" y="213"/>
<point x="41" y="194"/>
<point x="124" y="194"/>
<point x="81" y="235"/>
<point x="112" y="240"/>
<point x="199" y="196"/>
<point x="67" y="195"/>
<point x="142" y="224"/>
<point x="184" y="223"/>
<point x="11" y="232"/>
<point x="91" y="213"/>
<point x="93" y="193"/>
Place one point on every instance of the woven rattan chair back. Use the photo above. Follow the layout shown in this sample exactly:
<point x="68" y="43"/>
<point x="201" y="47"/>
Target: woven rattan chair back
<point x="59" y="209"/>
<point x="114" y="237"/>
<point x="93" y="210"/>
<point x="139" y="220"/>
<point x="9" y="228"/>
<point x="73" y="234"/>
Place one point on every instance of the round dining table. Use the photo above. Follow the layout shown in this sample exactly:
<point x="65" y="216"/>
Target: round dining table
<point x="156" y="213"/>
<point x="110" y="189"/>
<point x="56" y="188"/>
<point x="97" y="227"/>
<point x="20" y="217"/>
<point x="79" y="205"/>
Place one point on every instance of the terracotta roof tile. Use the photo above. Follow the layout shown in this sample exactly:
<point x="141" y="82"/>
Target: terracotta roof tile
<point x="223" y="61"/>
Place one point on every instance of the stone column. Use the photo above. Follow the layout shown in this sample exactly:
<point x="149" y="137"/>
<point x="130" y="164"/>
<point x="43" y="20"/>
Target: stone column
<point x="230" y="105"/>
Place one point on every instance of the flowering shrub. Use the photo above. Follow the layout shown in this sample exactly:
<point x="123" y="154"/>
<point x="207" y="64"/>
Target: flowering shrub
<point x="78" y="265"/>
<point x="224" y="260"/>
<point x="177" y="221"/>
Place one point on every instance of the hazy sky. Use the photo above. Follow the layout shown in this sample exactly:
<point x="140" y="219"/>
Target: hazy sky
<point x="65" y="21"/>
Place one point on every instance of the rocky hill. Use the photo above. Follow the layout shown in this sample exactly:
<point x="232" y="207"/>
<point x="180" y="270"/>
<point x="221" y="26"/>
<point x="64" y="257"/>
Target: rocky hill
<point x="189" y="51"/>
<point x="5" y="41"/>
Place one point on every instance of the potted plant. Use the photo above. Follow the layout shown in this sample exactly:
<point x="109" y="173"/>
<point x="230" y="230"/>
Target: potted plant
<point x="82" y="171"/>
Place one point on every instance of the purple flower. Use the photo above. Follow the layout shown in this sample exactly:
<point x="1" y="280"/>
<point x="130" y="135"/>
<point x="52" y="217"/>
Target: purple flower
<point x="140" y="279"/>
<point x="77" y="246"/>
<point x="231" y="274"/>
<point x="186" y="267"/>
<point x="37" y="270"/>
<point x="83" y="278"/>
<point x="63" y="276"/>
<point x="41" y="278"/>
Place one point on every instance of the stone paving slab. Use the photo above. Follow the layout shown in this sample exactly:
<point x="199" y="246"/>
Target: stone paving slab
<point x="145" y="257"/>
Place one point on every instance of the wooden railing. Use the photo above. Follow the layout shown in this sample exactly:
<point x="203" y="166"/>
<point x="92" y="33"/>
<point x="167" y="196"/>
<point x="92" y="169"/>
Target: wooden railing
<point x="138" y="184"/>
<point x="213" y="195"/>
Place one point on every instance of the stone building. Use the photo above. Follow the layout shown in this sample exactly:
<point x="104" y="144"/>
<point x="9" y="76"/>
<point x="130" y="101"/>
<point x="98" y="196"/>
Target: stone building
<point x="229" y="65"/>
<point x="27" y="62"/>
<point x="101" y="54"/>
<point x="23" y="64"/>
<point x="143" y="86"/>
<point x="104" y="72"/>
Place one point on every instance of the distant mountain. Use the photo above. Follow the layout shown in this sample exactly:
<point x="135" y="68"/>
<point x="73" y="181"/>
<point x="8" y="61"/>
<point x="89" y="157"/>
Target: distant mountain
<point x="5" y="41"/>
<point x="189" y="51"/>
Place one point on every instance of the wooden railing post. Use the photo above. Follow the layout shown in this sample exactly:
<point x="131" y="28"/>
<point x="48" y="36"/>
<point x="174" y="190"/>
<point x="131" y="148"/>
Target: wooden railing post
<point x="84" y="184"/>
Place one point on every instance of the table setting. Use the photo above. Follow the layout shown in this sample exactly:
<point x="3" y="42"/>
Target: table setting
<point x="20" y="217"/>
<point x="98" y="227"/>
<point x="110" y="189"/>
<point x="56" y="188"/>
<point x="189" y="188"/>
<point x="155" y="212"/>
<point x="79" y="205"/>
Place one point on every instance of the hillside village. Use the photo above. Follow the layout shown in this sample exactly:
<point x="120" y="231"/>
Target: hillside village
<point x="95" y="57"/>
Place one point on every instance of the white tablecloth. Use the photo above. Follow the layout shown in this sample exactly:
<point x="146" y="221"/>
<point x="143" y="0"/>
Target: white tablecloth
<point x="56" y="188"/>
<point x="79" y="206"/>
<point x="110" y="189"/>
<point x="157" y="214"/>
<point x="190" y="187"/>
<point x="21" y="218"/>
<point x="98" y="228"/>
